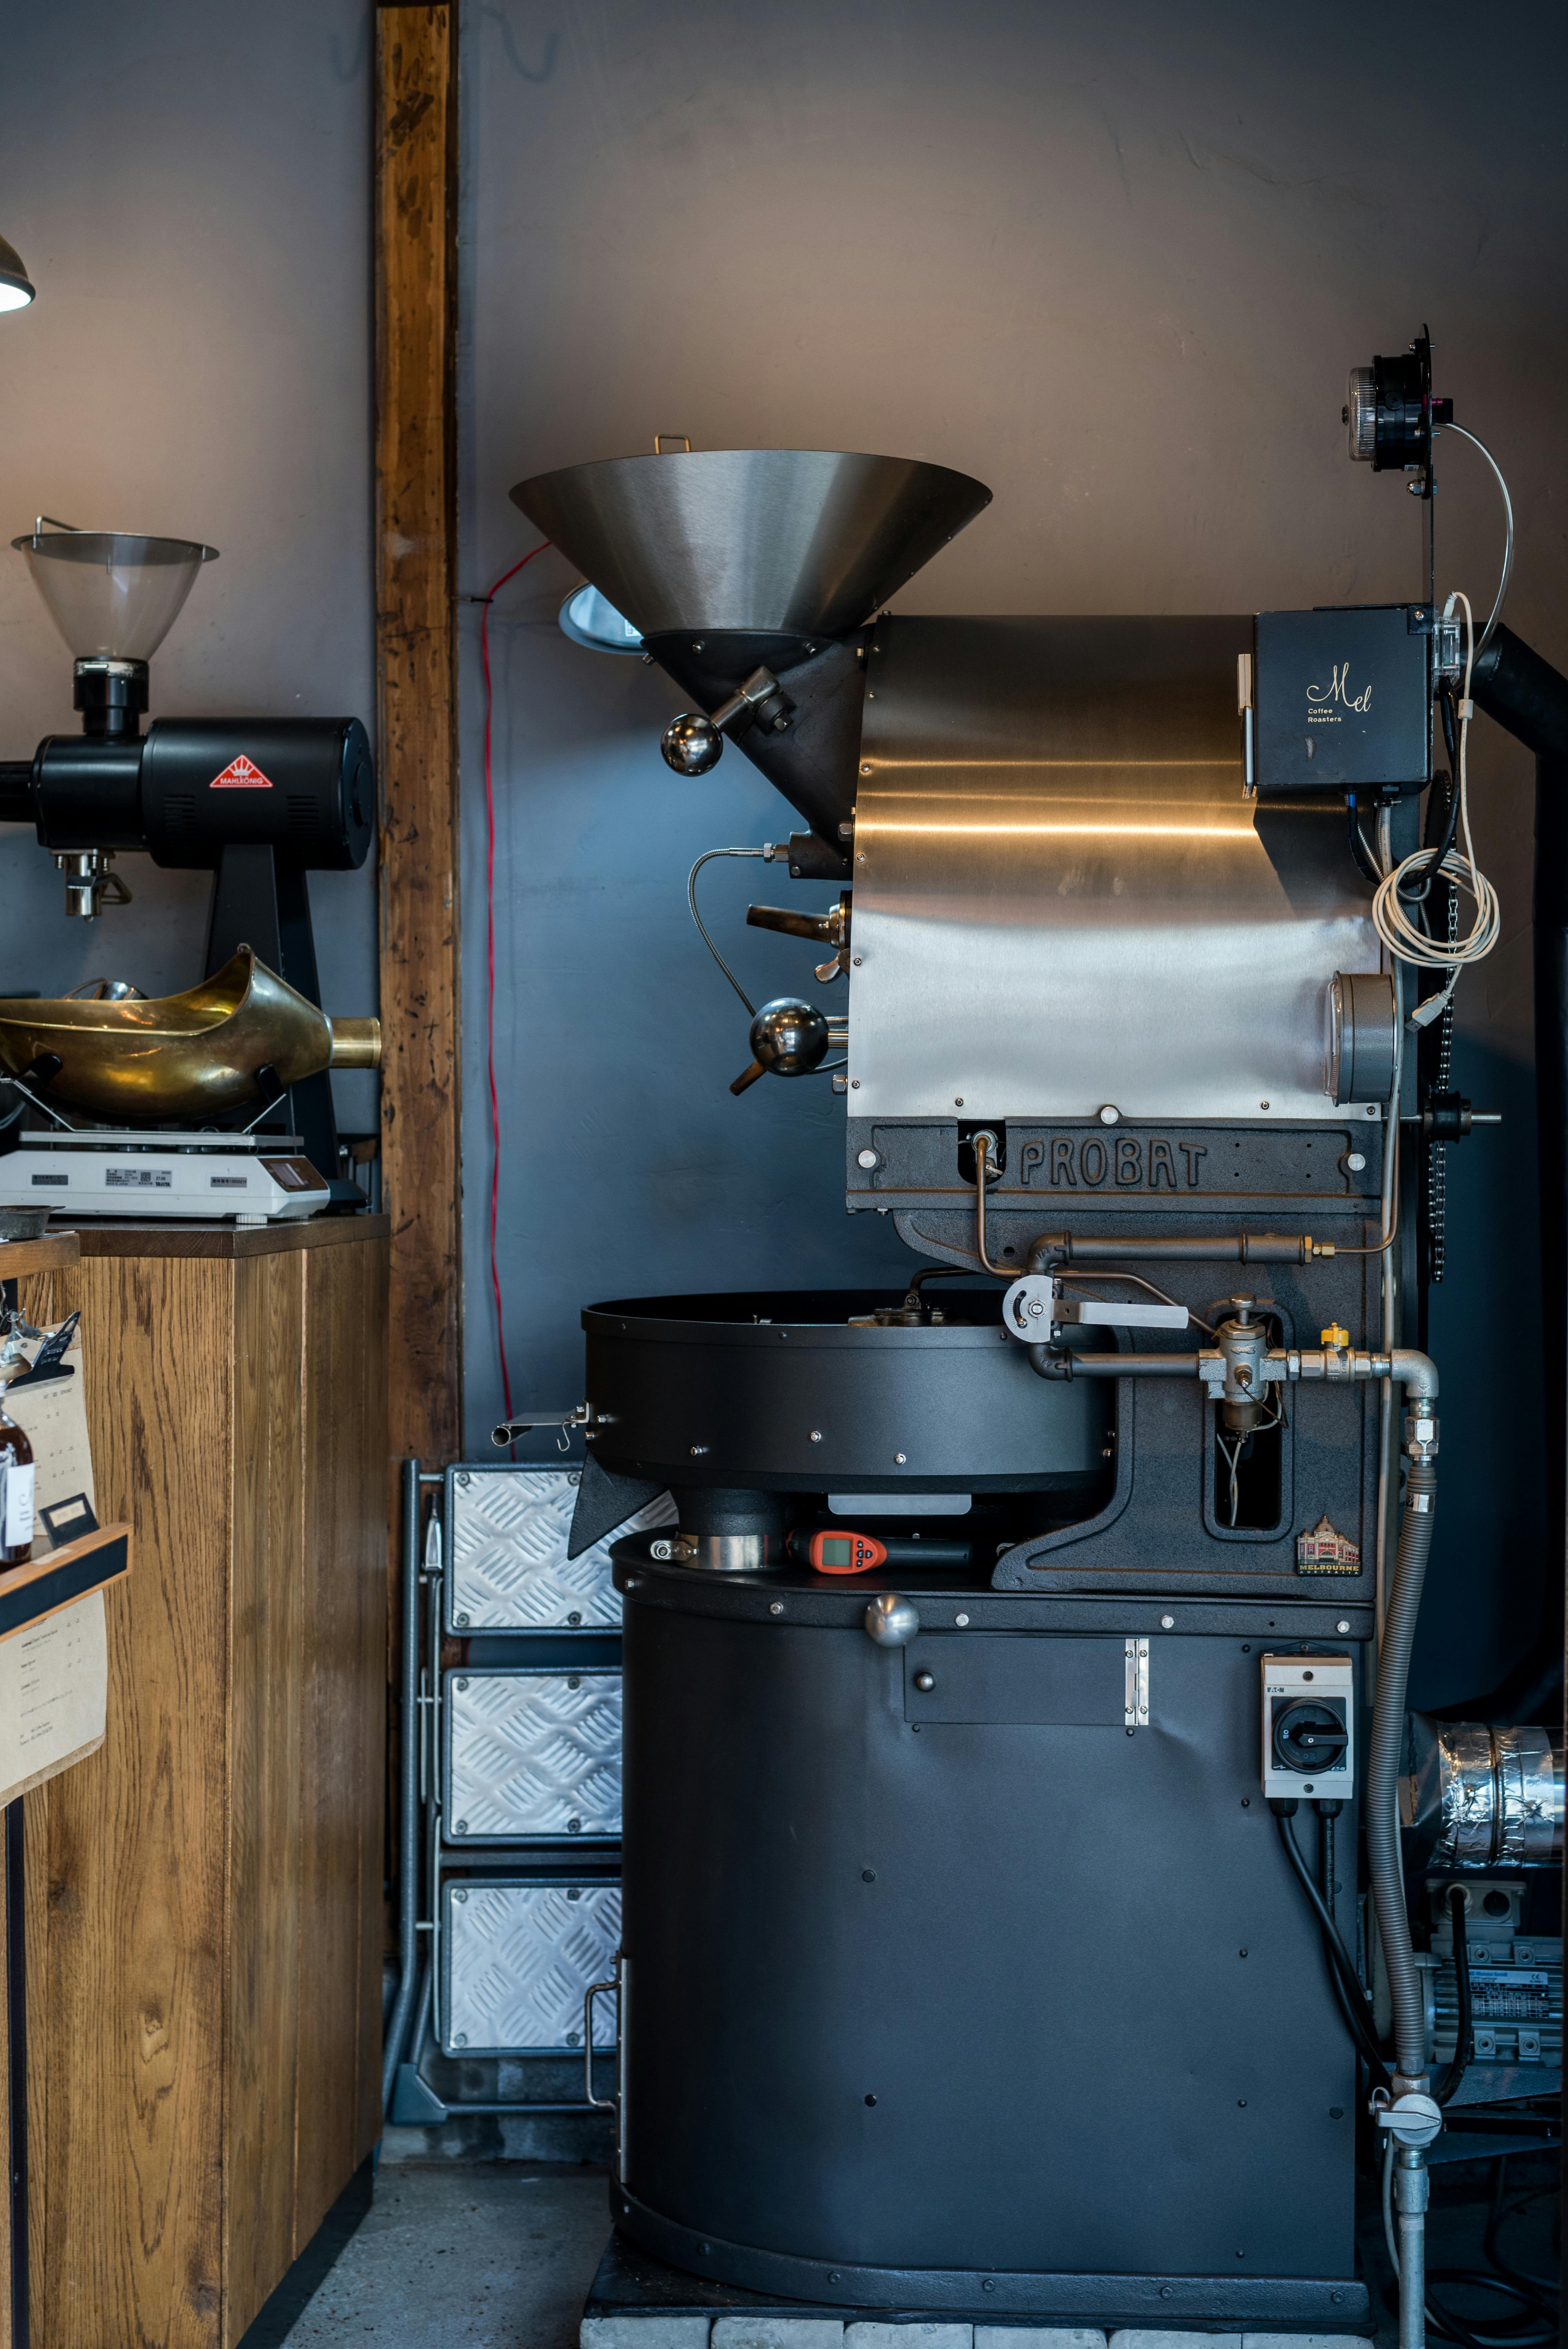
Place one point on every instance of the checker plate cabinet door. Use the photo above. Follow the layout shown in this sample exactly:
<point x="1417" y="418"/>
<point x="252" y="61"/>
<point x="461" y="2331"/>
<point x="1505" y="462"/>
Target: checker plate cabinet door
<point x="507" y="1531"/>
<point x="518" y="1960"/>
<point x="531" y="1755"/>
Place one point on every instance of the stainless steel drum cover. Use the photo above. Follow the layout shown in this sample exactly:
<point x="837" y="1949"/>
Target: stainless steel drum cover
<point x="1063" y="899"/>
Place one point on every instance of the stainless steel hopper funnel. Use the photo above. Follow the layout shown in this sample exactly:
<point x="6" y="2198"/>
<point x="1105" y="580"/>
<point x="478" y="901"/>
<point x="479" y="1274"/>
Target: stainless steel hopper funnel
<point x="765" y="542"/>
<point x="112" y="594"/>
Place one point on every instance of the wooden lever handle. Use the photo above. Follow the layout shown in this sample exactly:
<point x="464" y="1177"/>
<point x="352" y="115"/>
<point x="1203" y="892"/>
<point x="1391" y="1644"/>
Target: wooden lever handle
<point x="795" y="926"/>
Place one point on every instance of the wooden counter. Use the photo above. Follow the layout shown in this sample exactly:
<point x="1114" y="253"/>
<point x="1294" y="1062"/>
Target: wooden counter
<point x="204" y="1894"/>
<point x="19" y="1257"/>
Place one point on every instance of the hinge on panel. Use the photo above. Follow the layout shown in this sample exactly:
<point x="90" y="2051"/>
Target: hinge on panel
<point x="1136" y="1689"/>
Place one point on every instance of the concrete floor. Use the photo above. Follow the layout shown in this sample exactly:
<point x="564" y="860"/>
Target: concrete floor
<point x="495" y="2254"/>
<point x="464" y="2255"/>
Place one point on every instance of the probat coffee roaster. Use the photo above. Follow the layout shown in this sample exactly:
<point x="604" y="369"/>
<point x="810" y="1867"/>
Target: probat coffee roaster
<point x="998" y="1918"/>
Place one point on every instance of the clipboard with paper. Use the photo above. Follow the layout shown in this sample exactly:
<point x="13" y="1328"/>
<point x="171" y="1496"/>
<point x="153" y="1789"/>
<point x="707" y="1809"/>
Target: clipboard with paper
<point x="54" y="1648"/>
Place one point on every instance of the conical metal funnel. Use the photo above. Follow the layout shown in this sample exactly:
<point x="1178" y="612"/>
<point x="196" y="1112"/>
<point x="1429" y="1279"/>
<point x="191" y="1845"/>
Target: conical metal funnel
<point x="112" y="594"/>
<point x="797" y="541"/>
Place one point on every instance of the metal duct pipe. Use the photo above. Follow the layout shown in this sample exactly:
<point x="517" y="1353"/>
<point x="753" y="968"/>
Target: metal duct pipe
<point x="1530" y="698"/>
<point x="1548" y="916"/>
<point x="1479" y="1795"/>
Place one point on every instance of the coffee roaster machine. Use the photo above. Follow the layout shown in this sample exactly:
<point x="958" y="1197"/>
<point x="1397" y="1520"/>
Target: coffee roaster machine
<point x="1029" y="1861"/>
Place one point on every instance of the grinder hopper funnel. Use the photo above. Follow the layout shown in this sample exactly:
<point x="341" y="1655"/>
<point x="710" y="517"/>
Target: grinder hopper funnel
<point x="112" y="594"/>
<point x="787" y="542"/>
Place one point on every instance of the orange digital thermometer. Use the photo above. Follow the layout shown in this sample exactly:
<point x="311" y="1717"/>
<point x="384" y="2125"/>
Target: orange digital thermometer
<point x="833" y="1552"/>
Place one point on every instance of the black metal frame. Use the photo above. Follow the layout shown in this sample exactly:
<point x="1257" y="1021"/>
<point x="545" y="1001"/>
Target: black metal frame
<point x="409" y="2098"/>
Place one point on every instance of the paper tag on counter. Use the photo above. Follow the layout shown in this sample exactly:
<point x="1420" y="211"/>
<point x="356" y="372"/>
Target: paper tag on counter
<point x="54" y="1413"/>
<point x="54" y="1694"/>
<point x="17" y="1481"/>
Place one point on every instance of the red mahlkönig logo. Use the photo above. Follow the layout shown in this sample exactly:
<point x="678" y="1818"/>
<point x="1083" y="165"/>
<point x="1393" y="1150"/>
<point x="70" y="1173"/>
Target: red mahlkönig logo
<point x="241" y="775"/>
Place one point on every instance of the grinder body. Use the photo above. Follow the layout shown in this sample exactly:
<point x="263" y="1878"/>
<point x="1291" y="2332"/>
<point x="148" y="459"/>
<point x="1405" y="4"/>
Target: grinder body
<point x="258" y="801"/>
<point x="189" y="787"/>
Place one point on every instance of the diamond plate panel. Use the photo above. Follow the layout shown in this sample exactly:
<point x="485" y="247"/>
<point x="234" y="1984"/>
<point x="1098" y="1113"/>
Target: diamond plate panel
<point x="531" y="1754"/>
<point x="508" y="1530"/>
<point x="519" y="1958"/>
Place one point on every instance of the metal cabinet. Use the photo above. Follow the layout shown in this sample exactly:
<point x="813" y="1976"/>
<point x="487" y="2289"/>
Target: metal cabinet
<point x="517" y="1721"/>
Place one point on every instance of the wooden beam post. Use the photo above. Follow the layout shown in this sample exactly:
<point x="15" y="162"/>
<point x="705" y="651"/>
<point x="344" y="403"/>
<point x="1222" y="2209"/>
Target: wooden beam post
<point x="416" y="661"/>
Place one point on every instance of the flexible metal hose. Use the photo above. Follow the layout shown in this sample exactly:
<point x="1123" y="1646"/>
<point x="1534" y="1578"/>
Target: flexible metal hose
<point x="1383" y="1767"/>
<point x="1406" y="2166"/>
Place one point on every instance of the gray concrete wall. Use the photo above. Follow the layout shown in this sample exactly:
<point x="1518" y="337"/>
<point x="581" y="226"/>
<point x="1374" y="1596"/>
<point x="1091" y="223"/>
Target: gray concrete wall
<point x="189" y="185"/>
<point x="1116" y="262"/>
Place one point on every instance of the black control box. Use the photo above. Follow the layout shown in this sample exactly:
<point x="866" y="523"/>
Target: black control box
<point x="1341" y="701"/>
<point x="1309" y="1728"/>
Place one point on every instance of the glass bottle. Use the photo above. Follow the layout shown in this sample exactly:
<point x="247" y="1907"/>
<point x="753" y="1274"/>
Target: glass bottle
<point x="17" y="1476"/>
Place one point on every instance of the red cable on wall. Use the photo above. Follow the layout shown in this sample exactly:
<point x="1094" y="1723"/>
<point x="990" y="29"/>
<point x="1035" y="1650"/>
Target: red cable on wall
<point x="489" y="967"/>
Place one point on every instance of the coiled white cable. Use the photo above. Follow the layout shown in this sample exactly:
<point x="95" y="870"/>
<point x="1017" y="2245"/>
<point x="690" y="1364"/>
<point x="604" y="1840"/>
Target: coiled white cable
<point x="1397" y="932"/>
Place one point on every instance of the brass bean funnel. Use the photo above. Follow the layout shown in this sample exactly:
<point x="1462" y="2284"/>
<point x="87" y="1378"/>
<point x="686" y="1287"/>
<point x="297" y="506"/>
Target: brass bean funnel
<point x="185" y="1059"/>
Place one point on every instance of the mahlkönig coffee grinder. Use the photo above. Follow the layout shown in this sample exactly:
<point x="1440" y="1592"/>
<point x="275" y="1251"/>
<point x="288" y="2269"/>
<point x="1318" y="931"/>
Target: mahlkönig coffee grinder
<point x="259" y="801"/>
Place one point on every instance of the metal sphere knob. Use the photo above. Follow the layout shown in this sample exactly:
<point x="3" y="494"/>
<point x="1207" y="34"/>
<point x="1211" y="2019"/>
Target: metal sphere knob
<point x="692" y="744"/>
<point x="789" y="1036"/>
<point x="892" y="1621"/>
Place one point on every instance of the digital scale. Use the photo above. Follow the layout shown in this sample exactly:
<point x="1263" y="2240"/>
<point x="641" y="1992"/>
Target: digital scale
<point x="248" y="1178"/>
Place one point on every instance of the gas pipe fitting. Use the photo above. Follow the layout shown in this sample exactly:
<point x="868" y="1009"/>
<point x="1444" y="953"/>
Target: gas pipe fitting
<point x="1421" y="1434"/>
<point x="1411" y="2118"/>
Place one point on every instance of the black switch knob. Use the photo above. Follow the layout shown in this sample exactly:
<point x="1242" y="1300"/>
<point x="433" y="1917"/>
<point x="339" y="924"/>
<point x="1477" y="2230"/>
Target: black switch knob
<point x="1310" y="1734"/>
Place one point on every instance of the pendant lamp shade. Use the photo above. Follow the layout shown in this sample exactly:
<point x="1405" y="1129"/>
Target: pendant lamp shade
<point x="16" y="285"/>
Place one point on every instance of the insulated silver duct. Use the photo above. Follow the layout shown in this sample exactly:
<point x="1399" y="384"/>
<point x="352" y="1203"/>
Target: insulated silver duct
<point x="1483" y="1797"/>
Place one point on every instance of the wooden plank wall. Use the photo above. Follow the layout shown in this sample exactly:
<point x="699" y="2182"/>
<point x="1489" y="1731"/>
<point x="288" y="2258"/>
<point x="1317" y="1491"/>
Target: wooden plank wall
<point x="127" y="1875"/>
<point x="268" y="1662"/>
<point x="415" y="593"/>
<point x="343" y="1728"/>
<point x="204" y="1893"/>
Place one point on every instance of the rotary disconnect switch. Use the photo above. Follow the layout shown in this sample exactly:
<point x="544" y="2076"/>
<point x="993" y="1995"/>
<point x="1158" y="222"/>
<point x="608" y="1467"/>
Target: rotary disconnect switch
<point x="1309" y="1728"/>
